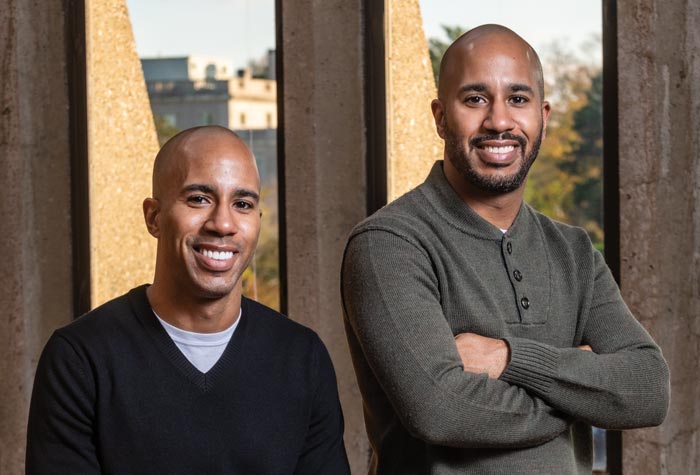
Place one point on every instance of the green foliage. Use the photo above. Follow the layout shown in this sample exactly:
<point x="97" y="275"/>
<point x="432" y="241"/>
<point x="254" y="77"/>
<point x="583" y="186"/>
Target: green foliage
<point x="261" y="278"/>
<point x="566" y="181"/>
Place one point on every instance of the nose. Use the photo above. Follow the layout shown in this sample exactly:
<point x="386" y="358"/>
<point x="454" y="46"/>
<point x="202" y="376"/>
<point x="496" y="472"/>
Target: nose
<point x="499" y="118"/>
<point x="221" y="221"/>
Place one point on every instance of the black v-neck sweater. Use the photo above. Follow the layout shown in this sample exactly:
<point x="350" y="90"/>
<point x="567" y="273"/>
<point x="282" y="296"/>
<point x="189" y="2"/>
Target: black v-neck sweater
<point x="113" y="394"/>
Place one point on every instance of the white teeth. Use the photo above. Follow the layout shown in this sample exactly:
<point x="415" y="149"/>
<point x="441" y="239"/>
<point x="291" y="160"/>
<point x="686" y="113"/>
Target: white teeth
<point x="506" y="149"/>
<point x="219" y="256"/>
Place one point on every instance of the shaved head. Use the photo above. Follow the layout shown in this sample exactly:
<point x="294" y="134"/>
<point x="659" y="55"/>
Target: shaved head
<point x="186" y="145"/>
<point x="474" y="41"/>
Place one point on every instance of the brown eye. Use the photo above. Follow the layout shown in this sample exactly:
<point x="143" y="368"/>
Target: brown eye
<point x="197" y="199"/>
<point x="243" y="205"/>
<point x="474" y="100"/>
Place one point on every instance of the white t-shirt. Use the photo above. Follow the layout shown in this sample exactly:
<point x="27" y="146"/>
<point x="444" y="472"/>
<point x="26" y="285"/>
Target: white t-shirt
<point x="203" y="350"/>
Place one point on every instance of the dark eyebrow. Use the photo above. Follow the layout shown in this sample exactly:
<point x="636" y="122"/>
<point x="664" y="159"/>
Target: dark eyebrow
<point x="476" y="87"/>
<point x="481" y="87"/>
<point x="243" y="193"/>
<point x="521" y="88"/>
<point x="198" y="187"/>
<point x="238" y="192"/>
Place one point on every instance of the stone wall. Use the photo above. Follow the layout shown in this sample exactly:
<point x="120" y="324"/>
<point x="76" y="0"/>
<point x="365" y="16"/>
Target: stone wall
<point x="659" y="73"/>
<point x="35" y="242"/>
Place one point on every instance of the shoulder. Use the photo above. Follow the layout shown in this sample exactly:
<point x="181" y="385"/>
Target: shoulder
<point x="574" y="237"/>
<point x="282" y="342"/>
<point x="276" y="327"/>
<point x="109" y="316"/>
<point x="407" y="217"/>
<point x="569" y="247"/>
<point x="91" y="340"/>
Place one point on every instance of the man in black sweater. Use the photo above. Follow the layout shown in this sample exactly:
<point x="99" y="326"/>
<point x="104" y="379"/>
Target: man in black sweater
<point x="187" y="375"/>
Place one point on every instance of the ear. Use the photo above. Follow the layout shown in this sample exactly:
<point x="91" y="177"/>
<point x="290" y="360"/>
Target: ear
<point x="439" y="115"/>
<point x="151" y="213"/>
<point x="546" y="109"/>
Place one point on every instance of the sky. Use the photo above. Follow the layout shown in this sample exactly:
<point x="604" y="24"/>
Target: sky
<point x="238" y="30"/>
<point x="241" y="30"/>
<point x="538" y="22"/>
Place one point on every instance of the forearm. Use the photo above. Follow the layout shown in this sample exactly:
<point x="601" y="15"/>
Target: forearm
<point x="621" y="390"/>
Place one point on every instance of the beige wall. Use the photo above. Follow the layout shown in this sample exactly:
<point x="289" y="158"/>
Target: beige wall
<point x="412" y="142"/>
<point x="659" y="94"/>
<point x="122" y="145"/>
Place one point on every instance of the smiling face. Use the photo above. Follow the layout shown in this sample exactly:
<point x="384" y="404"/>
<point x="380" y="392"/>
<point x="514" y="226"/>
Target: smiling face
<point x="205" y="214"/>
<point x="490" y="111"/>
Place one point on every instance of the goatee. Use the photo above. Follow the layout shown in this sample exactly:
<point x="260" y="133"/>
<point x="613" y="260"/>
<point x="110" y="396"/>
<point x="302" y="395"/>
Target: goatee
<point x="457" y="154"/>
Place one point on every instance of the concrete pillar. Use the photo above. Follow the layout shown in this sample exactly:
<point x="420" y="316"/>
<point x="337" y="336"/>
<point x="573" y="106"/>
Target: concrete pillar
<point x="325" y="177"/>
<point x="35" y="242"/>
<point x="659" y="112"/>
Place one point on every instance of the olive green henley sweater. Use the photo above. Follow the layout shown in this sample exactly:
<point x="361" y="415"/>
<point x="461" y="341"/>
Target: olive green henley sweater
<point x="425" y="268"/>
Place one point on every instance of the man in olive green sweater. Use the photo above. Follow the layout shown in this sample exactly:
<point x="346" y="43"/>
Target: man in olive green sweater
<point x="486" y="337"/>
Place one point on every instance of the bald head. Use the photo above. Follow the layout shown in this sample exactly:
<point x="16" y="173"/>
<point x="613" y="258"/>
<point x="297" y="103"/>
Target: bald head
<point x="486" y="40"/>
<point x="177" y="153"/>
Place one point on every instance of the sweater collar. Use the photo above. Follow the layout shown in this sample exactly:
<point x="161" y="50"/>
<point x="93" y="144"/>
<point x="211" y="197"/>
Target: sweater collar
<point x="446" y="202"/>
<point x="142" y="308"/>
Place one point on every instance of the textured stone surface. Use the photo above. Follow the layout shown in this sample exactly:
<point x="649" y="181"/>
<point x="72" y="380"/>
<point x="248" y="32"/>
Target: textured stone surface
<point x="122" y="144"/>
<point x="412" y="142"/>
<point x="325" y="173"/>
<point x="35" y="242"/>
<point x="659" y="72"/>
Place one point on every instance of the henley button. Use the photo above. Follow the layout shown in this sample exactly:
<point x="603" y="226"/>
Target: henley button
<point x="509" y="247"/>
<point x="518" y="276"/>
<point x="525" y="303"/>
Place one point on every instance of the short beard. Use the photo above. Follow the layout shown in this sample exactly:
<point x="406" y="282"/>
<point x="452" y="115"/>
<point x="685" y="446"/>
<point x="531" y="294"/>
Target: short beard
<point x="456" y="152"/>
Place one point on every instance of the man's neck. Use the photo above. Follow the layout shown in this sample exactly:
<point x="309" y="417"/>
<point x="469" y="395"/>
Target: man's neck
<point x="195" y="314"/>
<point x="499" y="209"/>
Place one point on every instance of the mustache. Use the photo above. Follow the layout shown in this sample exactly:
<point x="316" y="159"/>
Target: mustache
<point x="476" y="141"/>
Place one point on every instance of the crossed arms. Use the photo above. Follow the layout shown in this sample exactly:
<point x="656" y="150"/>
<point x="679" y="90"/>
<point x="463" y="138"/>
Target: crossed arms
<point x="481" y="392"/>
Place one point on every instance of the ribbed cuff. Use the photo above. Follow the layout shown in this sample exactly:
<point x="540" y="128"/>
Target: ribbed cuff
<point x="532" y="366"/>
